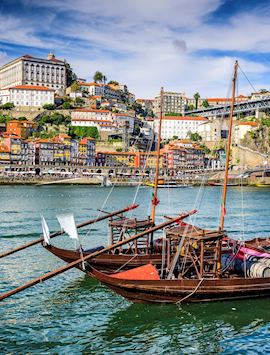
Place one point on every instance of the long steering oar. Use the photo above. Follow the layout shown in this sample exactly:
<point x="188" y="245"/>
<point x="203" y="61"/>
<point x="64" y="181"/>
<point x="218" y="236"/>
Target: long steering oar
<point x="91" y="256"/>
<point x="55" y="234"/>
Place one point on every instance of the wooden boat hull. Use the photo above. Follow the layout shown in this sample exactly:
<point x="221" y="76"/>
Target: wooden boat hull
<point x="108" y="262"/>
<point x="176" y="291"/>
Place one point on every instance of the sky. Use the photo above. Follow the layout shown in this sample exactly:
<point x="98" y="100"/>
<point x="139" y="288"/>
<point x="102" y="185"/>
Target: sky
<point x="184" y="45"/>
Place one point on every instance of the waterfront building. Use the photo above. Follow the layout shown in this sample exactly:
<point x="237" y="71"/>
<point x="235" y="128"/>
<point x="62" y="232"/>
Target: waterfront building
<point x="4" y="154"/>
<point x="27" y="95"/>
<point x="28" y="70"/>
<point x="14" y="144"/>
<point x="183" y="155"/>
<point x="87" y="151"/>
<point x="178" y="126"/>
<point x="115" y="159"/>
<point x="173" y="102"/>
<point x="148" y="160"/>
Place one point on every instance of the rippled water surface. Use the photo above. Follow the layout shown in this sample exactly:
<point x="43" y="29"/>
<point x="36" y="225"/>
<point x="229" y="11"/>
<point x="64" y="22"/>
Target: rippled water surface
<point x="73" y="314"/>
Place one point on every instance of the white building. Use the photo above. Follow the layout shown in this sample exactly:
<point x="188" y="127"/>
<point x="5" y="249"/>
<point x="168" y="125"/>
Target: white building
<point x="210" y="131"/>
<point x="173" y="102"/>
<point x="27" y="95"/>
<point x="121" y="119"/>
<point x="82" y="114"/>
<point x="96" y="89"/>
<point x="240" y="129"/>
<point x="178" y="126"/>
<point x="28" y="70"/>
<point x="102" y="119"/>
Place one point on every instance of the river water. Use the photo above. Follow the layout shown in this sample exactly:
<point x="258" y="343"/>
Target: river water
<point x="73" y="314"/>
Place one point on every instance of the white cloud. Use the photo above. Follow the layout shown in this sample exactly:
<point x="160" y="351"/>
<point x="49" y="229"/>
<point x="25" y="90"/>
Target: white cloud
<point x="3" y="57"/>
<point x="147" y="43"/>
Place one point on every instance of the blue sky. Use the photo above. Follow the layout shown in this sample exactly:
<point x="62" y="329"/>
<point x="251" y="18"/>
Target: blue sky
<point x="183" y="45"/>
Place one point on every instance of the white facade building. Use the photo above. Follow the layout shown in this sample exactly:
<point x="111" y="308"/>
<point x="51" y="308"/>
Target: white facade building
<point x="27" y="95"/>
<point x="178" y="126"/>
<point x="173" y="102"/>
<point x="84" y="114"/>
<point x="96" y="89"/>
<point x="240" y="129"/>
<point x="121" y="119"/>
<point x="27" y="70"/>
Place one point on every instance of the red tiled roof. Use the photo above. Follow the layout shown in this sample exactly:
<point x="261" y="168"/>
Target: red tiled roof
<point x="31" y="87"/>
<point x="4" y="148"/>
<point x="250" y="123"/>
<point x="90" y="110"/>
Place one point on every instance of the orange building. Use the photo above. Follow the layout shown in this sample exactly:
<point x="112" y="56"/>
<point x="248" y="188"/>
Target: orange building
<point x="21" y="129"/>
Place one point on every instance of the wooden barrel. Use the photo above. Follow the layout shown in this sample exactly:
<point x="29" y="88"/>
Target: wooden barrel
<point x="258" y="269"/>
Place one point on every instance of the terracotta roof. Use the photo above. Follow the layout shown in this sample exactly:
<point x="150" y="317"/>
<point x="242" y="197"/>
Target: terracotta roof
<point x="89" y="84"/>
<point x="123" y="114"/>
<point x="31" y="87"/>
<point x="250" y="123"/>
<point x="4" y="148"/>
<point x="90" y="110"/>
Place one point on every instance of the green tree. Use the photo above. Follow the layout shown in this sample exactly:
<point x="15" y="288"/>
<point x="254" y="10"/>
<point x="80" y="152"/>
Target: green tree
<point x="75" y="86"/>
<point x="205" y="103"/>
<point x="196" y="97"/>
<point x="173" y="114"/>
<point x="48" y="106"/>
<point x="263" y="91"/>
<point x="80" y="132"/>
<point x="4" y="118"/>
<point x="67" y="105"/>
<point x="7" y="106"/>
<point x="113" y="82"/>
<point x="79" y="101"/>
<point x="70" y="75"/>
<point x="98" y="77"/>
<point x="194" y="136"/>
<point x="191" y="107"/>
<point x="55" y="118"/>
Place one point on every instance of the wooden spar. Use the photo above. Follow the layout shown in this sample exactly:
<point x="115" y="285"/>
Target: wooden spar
<point x="55" y="234"/>
<point x="224" y="194"/>
<point x="91" y="256"/>
<point x="155" y="198"/>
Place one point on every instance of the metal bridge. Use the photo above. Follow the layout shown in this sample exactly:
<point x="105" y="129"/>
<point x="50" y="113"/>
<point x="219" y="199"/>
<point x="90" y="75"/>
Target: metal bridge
<point x="224" y="110"/>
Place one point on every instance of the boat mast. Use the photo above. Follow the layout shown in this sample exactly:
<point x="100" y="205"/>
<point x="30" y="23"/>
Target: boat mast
<point x="224" y="194"/>
<point x="155" y="200"/>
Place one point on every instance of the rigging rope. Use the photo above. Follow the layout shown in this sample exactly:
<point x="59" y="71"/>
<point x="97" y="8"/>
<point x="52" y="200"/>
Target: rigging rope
<point x="192" y="293"/>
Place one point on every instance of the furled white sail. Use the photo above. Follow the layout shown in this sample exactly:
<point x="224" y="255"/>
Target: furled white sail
<point x="67" y="223"/>
<point x="45" y="230"/>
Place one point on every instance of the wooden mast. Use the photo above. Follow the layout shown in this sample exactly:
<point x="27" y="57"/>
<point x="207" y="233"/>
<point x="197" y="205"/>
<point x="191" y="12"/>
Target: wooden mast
<point x="155" y="198"/>
<point x="224" y="194"/>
